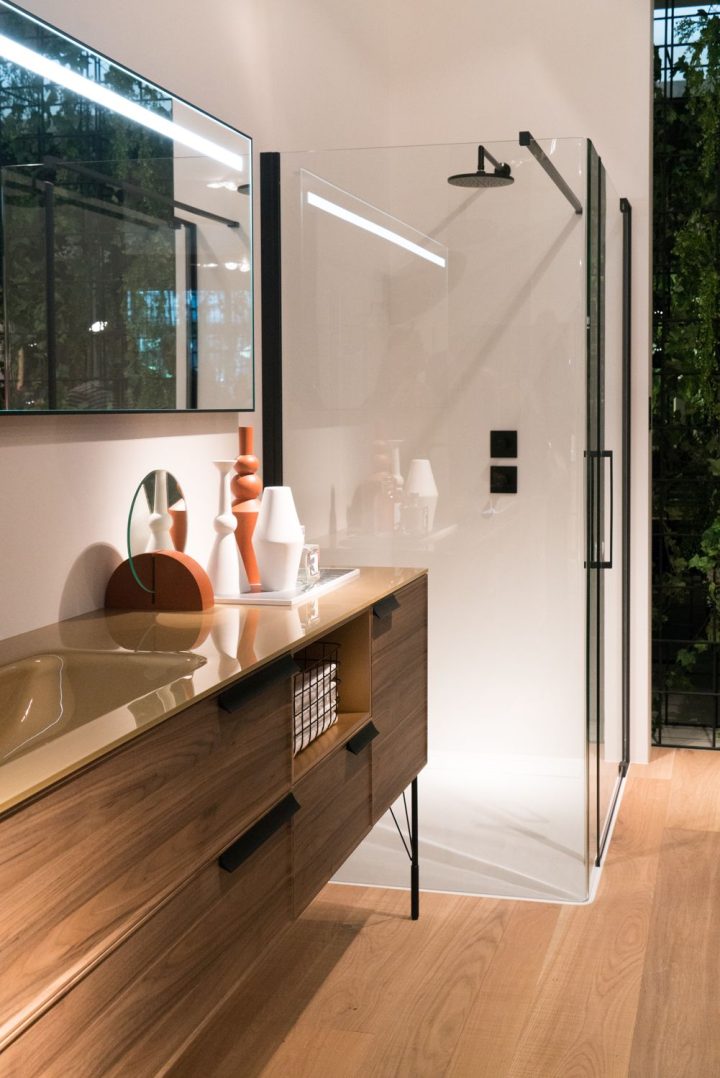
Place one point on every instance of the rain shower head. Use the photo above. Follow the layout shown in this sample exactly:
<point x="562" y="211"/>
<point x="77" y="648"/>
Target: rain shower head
<point x="500" y="177"/>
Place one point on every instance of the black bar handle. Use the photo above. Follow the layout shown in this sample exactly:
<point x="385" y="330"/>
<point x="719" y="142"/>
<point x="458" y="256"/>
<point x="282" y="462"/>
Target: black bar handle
<point x="383" y="608"/>
<point x="362" y="738"/>
<point x="609" y="564"/>
<point x="595" y="487"/>
<point x="237" y="695"/>
<point x="234" y="856"/>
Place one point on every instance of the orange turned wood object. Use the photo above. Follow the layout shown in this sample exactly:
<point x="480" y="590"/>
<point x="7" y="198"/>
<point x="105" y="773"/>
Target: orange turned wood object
<point x="246" y="486"/>
<point x="175" y="580"/>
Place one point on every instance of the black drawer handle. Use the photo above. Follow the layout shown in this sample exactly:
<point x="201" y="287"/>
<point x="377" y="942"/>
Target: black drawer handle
<point x="362" y="738"/>
<point x="252" y="840"/>
<point x="237" y="695"/>
<point x="383" y="608"/>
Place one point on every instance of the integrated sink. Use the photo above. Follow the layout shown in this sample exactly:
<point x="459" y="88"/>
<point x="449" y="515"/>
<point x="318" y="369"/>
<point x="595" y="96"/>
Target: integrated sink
<point x="46" y="695"/>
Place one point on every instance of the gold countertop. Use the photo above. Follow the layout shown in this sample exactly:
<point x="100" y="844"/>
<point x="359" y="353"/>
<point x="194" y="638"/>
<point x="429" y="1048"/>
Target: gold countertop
<point x="214" y="649"/>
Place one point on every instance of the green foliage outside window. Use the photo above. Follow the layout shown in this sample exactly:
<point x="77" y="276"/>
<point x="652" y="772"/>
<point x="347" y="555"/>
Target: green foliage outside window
<point x="686" y="346"/>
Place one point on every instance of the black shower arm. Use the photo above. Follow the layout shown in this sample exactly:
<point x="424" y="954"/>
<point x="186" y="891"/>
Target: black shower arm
<point x="499" y="166"/>
<point x="526" y="139"/>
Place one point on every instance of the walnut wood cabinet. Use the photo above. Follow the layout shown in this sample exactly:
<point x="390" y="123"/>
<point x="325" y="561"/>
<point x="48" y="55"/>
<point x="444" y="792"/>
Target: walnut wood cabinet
<point x="137" y="894"/>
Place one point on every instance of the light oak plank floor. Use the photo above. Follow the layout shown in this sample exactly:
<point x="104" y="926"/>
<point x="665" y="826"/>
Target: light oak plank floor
<point x="478" y="988"/>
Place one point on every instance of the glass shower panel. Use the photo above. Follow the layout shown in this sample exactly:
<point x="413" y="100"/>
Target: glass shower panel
<point x="365" y="365"/>
<point x="610" y="742"/>
<point x="595" y="487"/>
<point x="418" y="318"/>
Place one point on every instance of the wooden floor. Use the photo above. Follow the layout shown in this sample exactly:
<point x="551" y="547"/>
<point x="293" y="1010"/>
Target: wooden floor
<point x="478" y="988"/>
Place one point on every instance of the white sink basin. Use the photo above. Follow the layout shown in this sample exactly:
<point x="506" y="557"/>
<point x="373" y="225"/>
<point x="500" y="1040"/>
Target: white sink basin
<point x="46" y="695"/>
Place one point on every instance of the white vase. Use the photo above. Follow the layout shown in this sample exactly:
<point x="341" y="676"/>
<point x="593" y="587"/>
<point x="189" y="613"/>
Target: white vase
<point x="278" y="540"/>
<point x="224" y="563"/>
<point x="421" y="483"/>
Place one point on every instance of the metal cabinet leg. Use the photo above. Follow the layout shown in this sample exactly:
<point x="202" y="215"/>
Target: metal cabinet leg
<point x="415" y="858"/>
<point x="413" y="849"/>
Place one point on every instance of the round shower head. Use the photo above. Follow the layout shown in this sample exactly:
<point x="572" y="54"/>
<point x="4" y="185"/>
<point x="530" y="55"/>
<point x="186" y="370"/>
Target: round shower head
<point x="480" y="179"/>
<point x="499" y="178"/>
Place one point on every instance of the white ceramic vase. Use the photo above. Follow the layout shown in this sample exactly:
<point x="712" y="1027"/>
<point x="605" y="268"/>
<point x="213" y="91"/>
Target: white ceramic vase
<point x="224" y="564"/>
<point x="421" y="483"/>
<point x="278" y="540"/>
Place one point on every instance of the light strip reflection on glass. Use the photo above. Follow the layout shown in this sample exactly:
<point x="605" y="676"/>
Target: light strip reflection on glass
<point x="94" y="91"/>
<point x="370" y="226"/>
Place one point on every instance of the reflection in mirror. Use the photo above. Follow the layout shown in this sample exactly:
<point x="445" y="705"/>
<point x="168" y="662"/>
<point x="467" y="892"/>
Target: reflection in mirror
<point x="127" y="237"/>
<point x="158" y="515"/>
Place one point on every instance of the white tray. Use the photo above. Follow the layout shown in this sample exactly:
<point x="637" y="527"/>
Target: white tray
<point x="329" y="579"/>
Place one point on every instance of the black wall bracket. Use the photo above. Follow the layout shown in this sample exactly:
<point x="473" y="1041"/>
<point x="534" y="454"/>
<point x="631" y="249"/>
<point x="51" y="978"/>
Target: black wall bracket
<point x="526" y="139"/>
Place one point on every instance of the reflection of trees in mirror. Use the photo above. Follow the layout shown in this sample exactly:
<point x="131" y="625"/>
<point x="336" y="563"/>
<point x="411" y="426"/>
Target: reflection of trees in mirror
<point x="114" y="250"/>
<point x="686" y="370"/>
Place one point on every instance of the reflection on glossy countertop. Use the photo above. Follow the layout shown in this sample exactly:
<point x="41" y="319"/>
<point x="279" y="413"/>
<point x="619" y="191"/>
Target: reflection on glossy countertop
<point x="70" y="692"/>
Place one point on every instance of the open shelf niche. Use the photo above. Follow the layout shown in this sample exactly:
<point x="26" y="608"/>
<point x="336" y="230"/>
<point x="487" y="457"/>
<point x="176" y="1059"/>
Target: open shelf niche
<point x="354" y="691"/>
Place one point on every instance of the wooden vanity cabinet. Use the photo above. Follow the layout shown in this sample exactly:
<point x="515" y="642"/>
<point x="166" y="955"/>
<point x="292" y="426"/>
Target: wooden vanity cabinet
<point x="138" y="894"/>
<point x="399" y="665"/>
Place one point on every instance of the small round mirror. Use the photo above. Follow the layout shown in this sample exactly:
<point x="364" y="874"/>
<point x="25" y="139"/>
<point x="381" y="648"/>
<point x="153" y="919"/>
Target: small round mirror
<point x="158" y="517"/>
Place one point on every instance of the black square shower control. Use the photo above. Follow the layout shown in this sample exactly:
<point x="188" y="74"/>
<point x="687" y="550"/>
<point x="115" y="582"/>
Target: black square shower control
<point x="503" y="443"/>
<point x="503" y="479"/>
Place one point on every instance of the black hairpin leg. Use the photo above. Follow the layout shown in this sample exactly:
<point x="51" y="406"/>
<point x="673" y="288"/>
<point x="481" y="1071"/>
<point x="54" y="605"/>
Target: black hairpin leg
<point x="411" y="850"/>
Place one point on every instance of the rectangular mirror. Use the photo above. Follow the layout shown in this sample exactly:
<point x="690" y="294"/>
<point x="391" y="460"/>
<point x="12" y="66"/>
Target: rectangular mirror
<point x="126" y="248"/>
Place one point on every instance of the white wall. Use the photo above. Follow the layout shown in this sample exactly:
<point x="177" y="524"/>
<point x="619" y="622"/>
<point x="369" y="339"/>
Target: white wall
<point x="66" y="481"/>
<point x="556" y="68"/>
<point x="335" y="73"/>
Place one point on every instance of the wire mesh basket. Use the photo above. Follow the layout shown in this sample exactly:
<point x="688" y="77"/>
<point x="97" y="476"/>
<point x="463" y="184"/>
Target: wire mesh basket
<point x="316" y="697"/>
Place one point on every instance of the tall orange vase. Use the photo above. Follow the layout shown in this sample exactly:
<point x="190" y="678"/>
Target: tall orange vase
<point x="246" y="486"/>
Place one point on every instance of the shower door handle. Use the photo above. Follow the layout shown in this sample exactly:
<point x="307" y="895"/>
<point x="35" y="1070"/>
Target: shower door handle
<point x="598" y="546"/>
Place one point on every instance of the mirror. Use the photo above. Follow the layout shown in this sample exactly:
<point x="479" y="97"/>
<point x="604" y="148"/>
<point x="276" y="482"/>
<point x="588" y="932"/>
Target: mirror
<point x="126" y="238"/>
<point x="157" y="519"/>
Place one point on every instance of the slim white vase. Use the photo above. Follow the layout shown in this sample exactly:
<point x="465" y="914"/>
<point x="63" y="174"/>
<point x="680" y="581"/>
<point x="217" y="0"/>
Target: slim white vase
<point x="278" y="540"/>
<point x="224" y="564"/>
<point x="421" y="482"/>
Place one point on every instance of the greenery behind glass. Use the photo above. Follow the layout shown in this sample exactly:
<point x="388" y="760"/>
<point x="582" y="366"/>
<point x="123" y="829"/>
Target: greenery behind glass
<point x="686" y="369"/>
<point x="99" y="231"/>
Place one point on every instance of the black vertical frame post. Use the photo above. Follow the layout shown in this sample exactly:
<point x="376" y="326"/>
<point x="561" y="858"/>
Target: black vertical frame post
<point x="191" y="311"/>
<point x="271" y="318"/>
<point x="50" y="311"/>
<point x="626" y="210"/>
<point x="414" y="853"/>
<point x="600" y="494"/>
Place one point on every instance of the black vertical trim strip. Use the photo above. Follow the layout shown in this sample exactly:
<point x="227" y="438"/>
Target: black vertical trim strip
<point x="600" y="491"/>
<point x="271" y="318"/>
<point x="50" y="312"/>
<point x="589" y="466"/>
<point x="626" y="210"/>
<point x="191" y="311"/>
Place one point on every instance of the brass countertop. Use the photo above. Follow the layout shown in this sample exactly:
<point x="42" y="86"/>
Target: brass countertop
<point x="230" y="641"/>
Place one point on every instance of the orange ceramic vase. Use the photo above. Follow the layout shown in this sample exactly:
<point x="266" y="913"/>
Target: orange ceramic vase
<point x="246" y="487"/>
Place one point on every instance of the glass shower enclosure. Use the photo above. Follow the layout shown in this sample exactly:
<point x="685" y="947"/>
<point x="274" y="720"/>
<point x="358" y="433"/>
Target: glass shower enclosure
<point x="446" y="384"/>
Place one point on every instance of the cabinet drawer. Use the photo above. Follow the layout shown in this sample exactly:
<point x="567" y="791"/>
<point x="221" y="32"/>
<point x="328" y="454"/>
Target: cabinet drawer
<point x="334" y="816"/>
<point x="138" y="1007"/>
<point x="397" y="757"/>
<point x="394" y="621"/>
<point x="399" y="661"/>
<point x="104" y="849"/>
